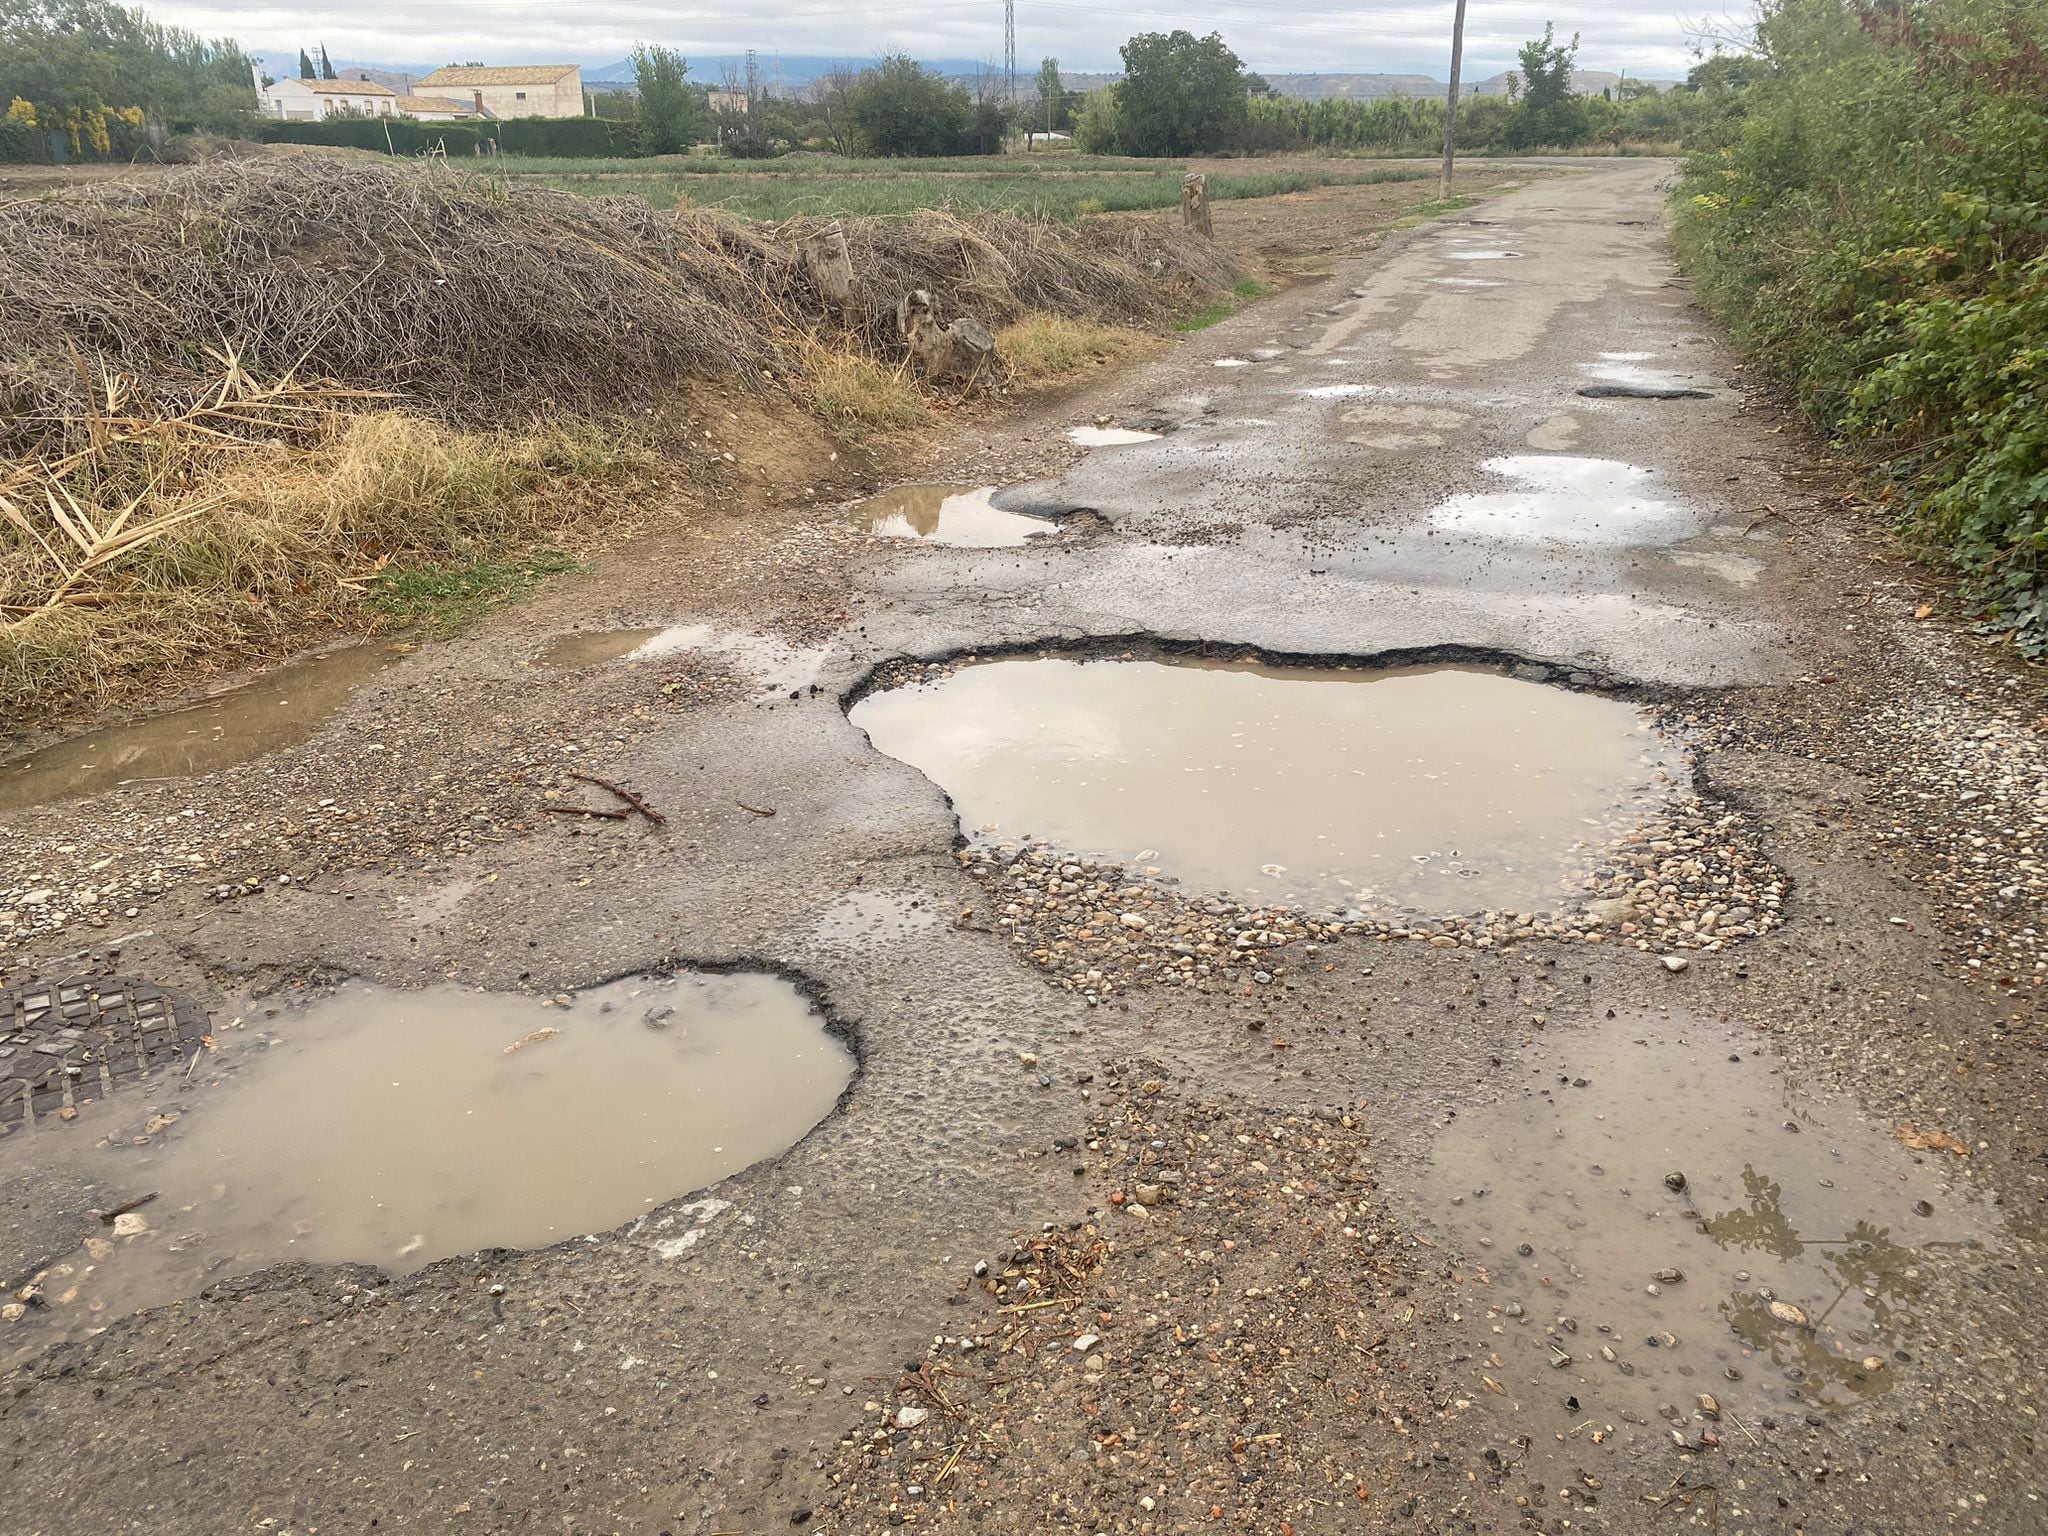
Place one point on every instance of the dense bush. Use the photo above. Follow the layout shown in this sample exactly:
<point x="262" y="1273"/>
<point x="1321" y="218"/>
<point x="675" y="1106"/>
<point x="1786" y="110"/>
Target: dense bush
<point x="1876" y="233"/>
<point x="18" y="143"/>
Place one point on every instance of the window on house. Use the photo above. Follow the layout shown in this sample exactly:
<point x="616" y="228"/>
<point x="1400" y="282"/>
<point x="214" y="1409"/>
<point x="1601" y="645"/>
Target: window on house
<point x="519" y="95"/>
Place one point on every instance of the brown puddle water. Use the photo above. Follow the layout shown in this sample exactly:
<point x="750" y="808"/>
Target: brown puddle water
<point x="279" y="709"/>
<point x="1448" y="788"/>
<point x="397" y="1128"/>
<point x="1816" y="1252"/>
<point x="594" y="647"/>
<point x="959" y="515"/>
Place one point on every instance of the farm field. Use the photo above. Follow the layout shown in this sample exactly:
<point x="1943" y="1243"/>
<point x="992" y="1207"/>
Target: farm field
<point x="1062" y="187"/>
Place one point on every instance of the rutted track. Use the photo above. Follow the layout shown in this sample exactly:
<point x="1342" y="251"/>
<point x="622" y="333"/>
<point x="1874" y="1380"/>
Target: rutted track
<point x="1295" y="1278"/>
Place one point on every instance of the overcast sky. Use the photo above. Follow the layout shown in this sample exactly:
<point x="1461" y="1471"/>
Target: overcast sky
<point x="1324" y="36"/>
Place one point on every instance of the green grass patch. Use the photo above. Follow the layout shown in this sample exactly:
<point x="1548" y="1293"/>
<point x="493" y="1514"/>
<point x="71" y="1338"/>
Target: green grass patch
<point x="448" y="597"/>
<point x="1209" y="314"/>
<point x="892" y="188"/>
<point x="1249" y="288"/>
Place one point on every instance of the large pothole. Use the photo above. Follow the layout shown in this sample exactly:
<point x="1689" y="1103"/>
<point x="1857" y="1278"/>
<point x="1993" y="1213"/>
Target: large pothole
<point x="963" y="516"/>
<point x="1669" y="1231"/>
<point x="397" y="1128"/>
<point x="1445" y="788"/>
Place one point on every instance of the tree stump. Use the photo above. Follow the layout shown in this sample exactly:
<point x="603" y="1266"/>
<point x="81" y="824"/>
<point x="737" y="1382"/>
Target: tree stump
<point x="1194" y="204"/>
<point x="830" y="266"/>
<point x="963" y="350"/>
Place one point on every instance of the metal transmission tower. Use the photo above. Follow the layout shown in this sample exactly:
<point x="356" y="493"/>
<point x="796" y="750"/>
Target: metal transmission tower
<point x="753" y="81"/>
<point x="1010" y="46"/>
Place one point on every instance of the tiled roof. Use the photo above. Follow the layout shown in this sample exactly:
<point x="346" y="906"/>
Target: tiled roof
<point x="484" y="74"/>
<point x="346" y="87"/>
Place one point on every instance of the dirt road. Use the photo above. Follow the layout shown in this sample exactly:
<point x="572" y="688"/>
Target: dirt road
<point x="1709" y="1199"/>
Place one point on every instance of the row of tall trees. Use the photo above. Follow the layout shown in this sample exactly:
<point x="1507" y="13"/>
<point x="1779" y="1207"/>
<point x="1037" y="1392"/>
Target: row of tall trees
<point x="95" y="72"/>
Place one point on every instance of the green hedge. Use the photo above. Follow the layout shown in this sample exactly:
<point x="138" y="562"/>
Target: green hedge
<point x="568" y="138"/>
<point x="573" y="138"/>
<point x="406" y="136"/>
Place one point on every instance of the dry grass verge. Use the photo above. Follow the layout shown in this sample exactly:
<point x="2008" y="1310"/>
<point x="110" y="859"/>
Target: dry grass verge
<point x="1044" y="349"/>
<point x="859" y="398"/>
<point x="254" y="544"/>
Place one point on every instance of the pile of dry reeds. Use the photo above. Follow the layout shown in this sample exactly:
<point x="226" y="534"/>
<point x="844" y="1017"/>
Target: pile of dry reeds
<point x="478" y="303"/>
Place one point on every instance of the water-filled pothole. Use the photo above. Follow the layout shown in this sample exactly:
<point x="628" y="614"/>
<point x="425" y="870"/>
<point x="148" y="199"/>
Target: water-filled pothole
<point x="279" y="709"/>
<point x="960" y="515"/>
<point x="397" y="1128"/>
<point x="1481" y="255"/>
<point x="1109" y="437"/>
<point x="1568" y="500"/>
<point x="1441" y="787"/>
<point x="1664" y="1213"/>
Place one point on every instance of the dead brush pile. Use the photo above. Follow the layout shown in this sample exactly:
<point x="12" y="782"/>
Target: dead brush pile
<point x="479" y="305"/>
<point x="236" y="396"/>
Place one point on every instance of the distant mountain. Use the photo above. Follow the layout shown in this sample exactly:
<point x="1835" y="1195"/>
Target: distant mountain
<point x="1587" y="82"/>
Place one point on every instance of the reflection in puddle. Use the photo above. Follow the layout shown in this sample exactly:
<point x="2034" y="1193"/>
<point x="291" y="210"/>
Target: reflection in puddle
<point x="1481" y="255"/>
<point x="1232" y="362"/>
<point x="1449" y="788"/>
<point x="1568" y="501"/>
<point x="1338" y="391"/>
<point x="1109" y="437"/>
<point x="1808" y="1243"/>
<point x="279" y="709"/>
<point x="959" y="515"/>
<point x="1468" y="282"/>
<point x="397" y="1128"/>
<point x="1620" y="374"/>
<point x="774" y="665"/>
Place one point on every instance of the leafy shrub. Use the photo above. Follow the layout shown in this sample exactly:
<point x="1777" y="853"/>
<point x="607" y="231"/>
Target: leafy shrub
<point x="1876" y="234"/>
<point x="17" y="141"/>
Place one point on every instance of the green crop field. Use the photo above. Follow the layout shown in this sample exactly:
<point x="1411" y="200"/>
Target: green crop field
<point x="1062" y="187"/>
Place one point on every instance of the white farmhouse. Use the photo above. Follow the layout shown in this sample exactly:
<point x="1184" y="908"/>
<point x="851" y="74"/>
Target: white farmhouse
<point x="519" y="90"/>
<point x="310" y="100"/>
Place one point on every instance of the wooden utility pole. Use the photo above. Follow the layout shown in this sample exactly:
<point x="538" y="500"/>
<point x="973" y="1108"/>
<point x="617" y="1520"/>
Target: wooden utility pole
<point x="1451" y="106"/>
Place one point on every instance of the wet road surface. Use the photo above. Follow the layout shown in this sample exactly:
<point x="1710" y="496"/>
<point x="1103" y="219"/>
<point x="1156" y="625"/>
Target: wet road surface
<point x="1279" y="1293"/>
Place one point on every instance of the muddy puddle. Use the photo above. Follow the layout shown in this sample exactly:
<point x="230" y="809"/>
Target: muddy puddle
<point x="1658" y="1212"/>
<point x="1561" y="499"/>
<point x="1439" y="788"/>
<point x="279" y="709"/>
<point x="1109" y="437"/>
<point x="396" y="1128"/>
<point x="771" y="664"/>
<point x="1481" y="255"/>
<point x="962" y="516"/>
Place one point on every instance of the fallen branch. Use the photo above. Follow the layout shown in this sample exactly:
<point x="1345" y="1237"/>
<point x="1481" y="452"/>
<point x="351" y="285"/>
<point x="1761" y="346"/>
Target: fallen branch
<point x="124" y="1207"/>
<point x="583" y="810"/>
<point x="752" y="810"/>
<point x="624" y="794"/>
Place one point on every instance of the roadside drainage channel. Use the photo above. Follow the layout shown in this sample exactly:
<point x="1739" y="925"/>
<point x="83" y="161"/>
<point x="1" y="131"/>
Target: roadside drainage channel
<point x="1445" y="788"/>
<point x="280" y="709"/>
<point x="397" y="1128"/>
<point x="1660" y="1228"/>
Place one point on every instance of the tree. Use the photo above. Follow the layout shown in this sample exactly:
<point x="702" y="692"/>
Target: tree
<point x="1052" y="114"/>
<point x="1548" y="112"/>
<point x="88" y="66"/>
<point x="902" y="108"/>
<point x="1095" y="126"/>
<point x="1180" y="95"/>
<point x="306" y="69"/>
<point x="326" y="64"/>
<point x="669" y="117"/>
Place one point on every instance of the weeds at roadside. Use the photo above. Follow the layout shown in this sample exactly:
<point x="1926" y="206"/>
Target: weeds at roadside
<point x="1043" y="348"/>
<point x="859" y="398"/>
<point x="447" y="597"/>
